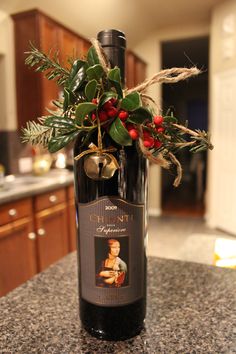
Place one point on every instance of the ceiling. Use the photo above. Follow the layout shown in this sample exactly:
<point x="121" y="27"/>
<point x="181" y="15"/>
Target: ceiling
<point x="137" y="18"/>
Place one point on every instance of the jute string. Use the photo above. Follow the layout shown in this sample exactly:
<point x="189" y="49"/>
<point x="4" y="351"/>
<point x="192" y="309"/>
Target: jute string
<point x="167" y="76"/>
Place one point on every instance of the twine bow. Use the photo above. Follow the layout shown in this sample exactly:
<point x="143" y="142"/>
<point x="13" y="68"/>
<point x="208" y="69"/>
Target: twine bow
<point x="95" y="149"/>
<point x="99" y="149"/>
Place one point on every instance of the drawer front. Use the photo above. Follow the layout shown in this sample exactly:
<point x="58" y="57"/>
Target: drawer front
<point x="15" y="210"/>
<point x="71" y="192"/>
<point x="50" y="199"/>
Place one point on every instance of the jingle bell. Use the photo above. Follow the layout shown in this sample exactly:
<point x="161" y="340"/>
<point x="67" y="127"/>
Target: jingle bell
<point x="99" y="166"/>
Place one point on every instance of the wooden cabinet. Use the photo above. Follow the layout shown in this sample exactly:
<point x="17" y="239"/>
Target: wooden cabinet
<point x="46" y="34"/>
<point x="17" y="245"/>
<point x="48" y="40"/>
<point x="51" y="227"/>
<point x="34" y="233"/>
<point x="135" y="70"/>
<point x="70" y="46"/>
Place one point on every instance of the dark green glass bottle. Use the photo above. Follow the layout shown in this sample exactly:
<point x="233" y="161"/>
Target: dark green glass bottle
<point x="112" y="226"/>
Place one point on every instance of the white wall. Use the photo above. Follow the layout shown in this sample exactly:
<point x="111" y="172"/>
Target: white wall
<point x="222" y="167"/>
<point x="7" y="74"/>
<point x="150" y="51"/>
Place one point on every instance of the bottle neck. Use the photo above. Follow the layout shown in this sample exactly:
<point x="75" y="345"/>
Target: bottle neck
<point x="113" y="43"/>
<point x="116" y="57"/>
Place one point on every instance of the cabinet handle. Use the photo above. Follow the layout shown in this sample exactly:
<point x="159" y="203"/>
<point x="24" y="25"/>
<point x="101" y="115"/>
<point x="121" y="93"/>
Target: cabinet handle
<point x="12" y="212"/>
<point x="53" y="198"/>
<point x="41" y="232"/>
<point x="32" y="236"/>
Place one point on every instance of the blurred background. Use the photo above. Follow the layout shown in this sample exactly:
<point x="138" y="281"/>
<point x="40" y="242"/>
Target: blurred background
<point x="196" y="221"/>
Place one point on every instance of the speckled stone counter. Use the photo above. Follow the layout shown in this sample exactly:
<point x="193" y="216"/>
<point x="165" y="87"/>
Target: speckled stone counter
<point x="28" y="185"/>
<point x="191" y="309"/>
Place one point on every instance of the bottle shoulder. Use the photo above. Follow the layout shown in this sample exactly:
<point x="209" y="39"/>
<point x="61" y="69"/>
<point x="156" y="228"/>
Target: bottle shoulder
<point x="84" y="140"/>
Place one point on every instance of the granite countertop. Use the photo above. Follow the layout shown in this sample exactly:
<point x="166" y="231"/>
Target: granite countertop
<point x="191" y="309"/>
<point x="22" y="186"/>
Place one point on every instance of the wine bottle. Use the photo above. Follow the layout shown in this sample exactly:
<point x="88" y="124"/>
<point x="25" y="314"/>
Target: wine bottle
<point x="111" y="218"/>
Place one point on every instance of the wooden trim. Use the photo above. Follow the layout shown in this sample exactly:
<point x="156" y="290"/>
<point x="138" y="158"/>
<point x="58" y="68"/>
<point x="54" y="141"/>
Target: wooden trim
<point x="51" y="210"/>
<point x="8" y="228"/>
<point x="137" y="57"/>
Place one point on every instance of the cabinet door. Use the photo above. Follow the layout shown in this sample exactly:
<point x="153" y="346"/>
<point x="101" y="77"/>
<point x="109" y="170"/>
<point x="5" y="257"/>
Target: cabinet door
<point x="48" y="42"/>
<point x="17" y="254"/>
<point x="140" y="71"/>
<point x="52" y="235"/>
<point x="86" y="45"/>
<point x="71" y="46"/>
<point x="130" y="70"/>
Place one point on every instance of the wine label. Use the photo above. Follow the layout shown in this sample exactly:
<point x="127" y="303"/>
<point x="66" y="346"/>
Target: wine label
<point x="111" y="247"/>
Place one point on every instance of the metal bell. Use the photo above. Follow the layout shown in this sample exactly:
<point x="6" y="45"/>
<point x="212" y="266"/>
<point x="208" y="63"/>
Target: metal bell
<point x="99" y="166"/>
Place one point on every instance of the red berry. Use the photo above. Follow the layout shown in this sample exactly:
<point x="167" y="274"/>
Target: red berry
<point x="160" y="130"/>
<point x="146" y="134"/>
<point x="107" y="105"/>
<point x="112" y="112"/>
<point x="93" y="116"/>
<point x="113" y="101"/>
<point x="102" y="116"/>
<point x="158" y="120"/>
<point x="123" y="115"/>
<point x="95" y="100"/>
<point x="157" y="143"/>
<point x="129" y="126"/>
<point x="133" y="134"/>
<point x="148" y="142"/>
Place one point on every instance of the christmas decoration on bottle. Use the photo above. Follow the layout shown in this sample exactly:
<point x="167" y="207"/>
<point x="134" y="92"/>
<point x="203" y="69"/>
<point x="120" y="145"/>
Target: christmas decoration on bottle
<point x="94" y="100"/>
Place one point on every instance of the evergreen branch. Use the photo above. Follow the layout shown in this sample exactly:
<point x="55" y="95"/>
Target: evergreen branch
<point x="43" y="63"/>
<point x="37" y="133"/>
<point x="201" y="138"/>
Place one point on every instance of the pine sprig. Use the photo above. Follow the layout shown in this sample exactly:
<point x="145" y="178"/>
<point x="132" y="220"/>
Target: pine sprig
<point x="43" y="63"/>
<point x="37" y="133"/>
<point x="200" y="139"/>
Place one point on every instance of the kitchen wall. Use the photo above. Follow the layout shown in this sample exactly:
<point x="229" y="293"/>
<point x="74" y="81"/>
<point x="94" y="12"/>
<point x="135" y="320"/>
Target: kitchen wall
<point x="9" y="139"/>
<point x="221" y="196"/>
<point x="7" y="74"/>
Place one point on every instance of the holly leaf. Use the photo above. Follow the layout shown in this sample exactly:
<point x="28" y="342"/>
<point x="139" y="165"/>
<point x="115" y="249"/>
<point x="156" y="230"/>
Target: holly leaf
<point x="170" y="119"/>
<point x="139" y="116"/>
<point x="66" y="101"/>
<point x="92" y="57"/>
<point x="60" y="122"/>
<point x="95" y="72"/>
<point x="77" y="75"/>
<point x="58" y="142"/>
<point x="82" y="110"/>
<point x="106" y="97"/>
<point x="115" y="80"/>
<point x="69" y="98"/>
<point x="90" y="89"/>
<point x="119" y="134"/>
<point x="131" y="102"/>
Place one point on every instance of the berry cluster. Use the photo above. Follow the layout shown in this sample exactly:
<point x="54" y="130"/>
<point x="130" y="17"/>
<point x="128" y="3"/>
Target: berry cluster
<point x="107" y="111"/>
<point x="151" y="131"/>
